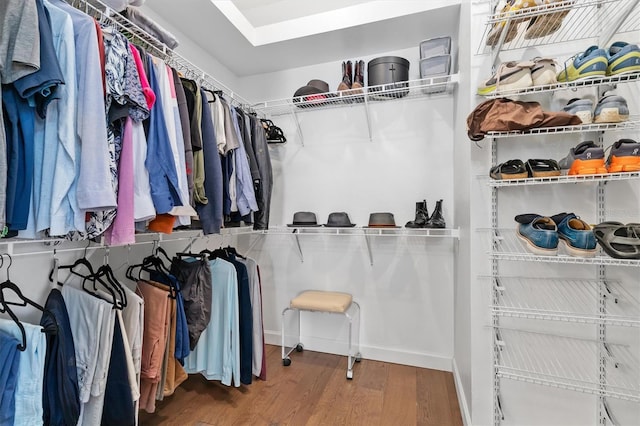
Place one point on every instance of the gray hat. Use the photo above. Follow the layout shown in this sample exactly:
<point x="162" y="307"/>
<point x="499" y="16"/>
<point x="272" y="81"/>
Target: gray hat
<point x="339" y="220"/>
<point x="382" y="220"/>
<point x="313" y="87"/>
<point x="303" y="219"/>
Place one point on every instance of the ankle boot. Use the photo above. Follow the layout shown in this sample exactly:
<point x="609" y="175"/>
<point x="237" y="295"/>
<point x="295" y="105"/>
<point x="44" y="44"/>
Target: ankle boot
<point x="358" y="77"/>
<point x="436" y="220"/>
<point x="347" y="72"/>
<point x="422" y="215"/>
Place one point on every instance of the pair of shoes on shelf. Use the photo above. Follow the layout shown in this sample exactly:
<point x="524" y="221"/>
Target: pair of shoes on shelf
<point x="423" y="220"/>
<point x="543" y="24"/>
<point x="609" y="109"/>
<point x="515" y="75"/>
<point x="516" y="169"/>
<point x="618" y="240"/>
<point x="619" y="58"/>
<point x="352" y="80"/>
<point x="587" y="158"/>
<point x="543" y="234"/>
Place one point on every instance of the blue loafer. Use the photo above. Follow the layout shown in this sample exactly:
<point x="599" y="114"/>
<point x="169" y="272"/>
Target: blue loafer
<point x="577" y="235"/>
<point x="539" y="233"/>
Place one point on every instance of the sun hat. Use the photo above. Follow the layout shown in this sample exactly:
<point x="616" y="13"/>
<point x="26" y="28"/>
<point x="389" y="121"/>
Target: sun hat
<point x="304" y="219"/>
<point x="382" y="220"/>
<point x="339" y="220"/>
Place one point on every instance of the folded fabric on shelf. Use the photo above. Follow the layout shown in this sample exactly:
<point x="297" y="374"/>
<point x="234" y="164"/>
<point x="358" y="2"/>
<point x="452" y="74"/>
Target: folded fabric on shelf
<point x="505" y="115"/>
<point x="149" y="25"/>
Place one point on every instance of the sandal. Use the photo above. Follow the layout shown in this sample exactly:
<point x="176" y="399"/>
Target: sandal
<point x="619" y="241"/>
<point x="542" y="168"/>
<point x="512" y="169"/>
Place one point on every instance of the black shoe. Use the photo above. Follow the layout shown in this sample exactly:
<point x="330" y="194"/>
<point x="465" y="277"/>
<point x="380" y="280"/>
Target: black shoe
<point x="436" y="220"/>
<point x="422" y="215"/>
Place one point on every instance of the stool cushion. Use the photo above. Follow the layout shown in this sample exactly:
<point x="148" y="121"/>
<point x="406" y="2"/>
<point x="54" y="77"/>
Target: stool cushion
<point x="323" y="301"/>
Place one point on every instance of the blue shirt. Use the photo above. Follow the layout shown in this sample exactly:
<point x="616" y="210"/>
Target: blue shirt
<point x="163" y="177"/>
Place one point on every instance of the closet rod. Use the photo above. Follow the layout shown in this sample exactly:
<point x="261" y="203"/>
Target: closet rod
<point x="96" y="247"/>
<point x="104" y="14"/>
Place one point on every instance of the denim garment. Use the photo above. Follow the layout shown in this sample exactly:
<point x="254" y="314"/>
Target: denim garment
<point x="19" y="126"/>
<point x="28" y="394"/>
<point x="10" y="359"/>
<point x="61" y="395"/>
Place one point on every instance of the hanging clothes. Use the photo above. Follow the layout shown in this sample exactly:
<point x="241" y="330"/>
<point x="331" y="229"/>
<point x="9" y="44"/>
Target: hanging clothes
<point x="183" y="115"/>
<point x="19" y="56"/>
<point x="94" y="190"/>
<point x="10" y="358"/>
<point x="255" y="291"/>
<point x="264" y="187"/>
<point x="217" y="354"/>
<point x="211" y="213"/>
<point x="61" y="394"/>
<point x="28" y="391"/>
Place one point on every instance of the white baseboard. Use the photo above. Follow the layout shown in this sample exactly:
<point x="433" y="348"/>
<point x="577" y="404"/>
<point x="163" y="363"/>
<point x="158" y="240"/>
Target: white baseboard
<point x="423" y="360"/>
<point x="464" y="408"/>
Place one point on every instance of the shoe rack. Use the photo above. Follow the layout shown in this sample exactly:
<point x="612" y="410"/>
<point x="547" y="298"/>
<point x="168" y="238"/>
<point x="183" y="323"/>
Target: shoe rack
<point x="369" y="95"/>
<point x="592" y="366"/>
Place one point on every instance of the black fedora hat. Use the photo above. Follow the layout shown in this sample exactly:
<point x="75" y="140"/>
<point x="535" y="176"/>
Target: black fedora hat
<point x="382" y="220"/>
<point x="339" y="220"/>
<point x="303" y="219"/>
<point x="313" y="87"/>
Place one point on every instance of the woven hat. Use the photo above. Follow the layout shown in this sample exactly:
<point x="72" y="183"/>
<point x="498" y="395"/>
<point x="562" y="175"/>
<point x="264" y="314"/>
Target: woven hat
<point x="339" y="220"/>
<point x="382" y="220"/>
<point x="304" y="219"/>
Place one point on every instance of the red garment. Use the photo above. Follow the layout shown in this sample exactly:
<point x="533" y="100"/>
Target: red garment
<point x="505" y="115"/>
<point x="102" y="56"/>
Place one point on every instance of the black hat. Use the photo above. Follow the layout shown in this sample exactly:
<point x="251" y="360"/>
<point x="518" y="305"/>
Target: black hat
<point x="304" y="219"/>
<point x="313" y="87"/>
<point x="339" y="220"/>
<point x="382" y="220"/>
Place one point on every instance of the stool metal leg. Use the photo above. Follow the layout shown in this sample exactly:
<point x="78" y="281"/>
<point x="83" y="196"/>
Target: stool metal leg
<point x="353" y="354"/>
<point x="286" y="350"/>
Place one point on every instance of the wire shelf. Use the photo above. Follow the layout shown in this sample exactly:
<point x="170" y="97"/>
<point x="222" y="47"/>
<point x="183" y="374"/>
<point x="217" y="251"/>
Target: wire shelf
<point x="373" y="232"/>
<point x="606" y="177"/>
<point x="568" y="363"/>
<point x="571" y="300"/>
<point x="509" y="247"/>
<point x="632" y="123"/>
<point x="590" y="82"/>
<point x="140" y="37"/>
<point x="559" y="22"/>
<point x="405" y="90"/>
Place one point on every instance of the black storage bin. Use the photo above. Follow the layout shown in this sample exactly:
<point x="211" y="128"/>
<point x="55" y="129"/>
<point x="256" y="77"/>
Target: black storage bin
<point x="390" y="71"/>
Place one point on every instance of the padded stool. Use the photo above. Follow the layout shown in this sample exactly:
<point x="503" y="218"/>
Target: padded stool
<point x="328" y="302"/>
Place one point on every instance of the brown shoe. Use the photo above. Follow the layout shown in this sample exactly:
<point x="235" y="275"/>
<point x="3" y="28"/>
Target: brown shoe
<point x="347" y="72"/>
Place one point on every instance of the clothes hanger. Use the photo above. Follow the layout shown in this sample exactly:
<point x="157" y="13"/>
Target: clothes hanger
<point x="8" y="284"/>
<point x="106" y="277"/>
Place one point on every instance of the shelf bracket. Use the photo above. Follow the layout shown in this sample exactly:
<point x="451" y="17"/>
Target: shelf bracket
<point x="295" y="234"/>
<point x="367" y="114"/>
<point x="366" y="238"/>
<point x="298" y="128"/>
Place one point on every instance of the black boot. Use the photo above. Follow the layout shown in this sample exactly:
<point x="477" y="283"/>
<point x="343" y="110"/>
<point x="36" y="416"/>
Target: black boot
<point x="436" y="220"/>
<point x="422" y="215"/>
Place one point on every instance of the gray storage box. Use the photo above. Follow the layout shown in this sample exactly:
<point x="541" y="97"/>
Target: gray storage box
<point x="435" y="66"/>
<point x="435" y="46"/>
<point x="390" y="71"/>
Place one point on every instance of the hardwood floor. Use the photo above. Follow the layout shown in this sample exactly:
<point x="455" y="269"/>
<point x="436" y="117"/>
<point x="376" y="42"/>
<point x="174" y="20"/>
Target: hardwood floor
<point x="314" y="390"/>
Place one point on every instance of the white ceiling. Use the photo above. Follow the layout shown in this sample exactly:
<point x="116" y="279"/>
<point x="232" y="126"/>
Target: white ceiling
<point x="260" y="36"/>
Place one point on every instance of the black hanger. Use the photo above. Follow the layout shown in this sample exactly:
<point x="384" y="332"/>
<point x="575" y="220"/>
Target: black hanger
<point x="24" y="301"/>
<point x="232" y="250"/>
<point x="106" y="277"/>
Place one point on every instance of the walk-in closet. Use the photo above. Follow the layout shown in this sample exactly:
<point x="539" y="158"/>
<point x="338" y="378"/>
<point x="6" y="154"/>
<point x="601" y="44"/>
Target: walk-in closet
<point x="290" y="212"/>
